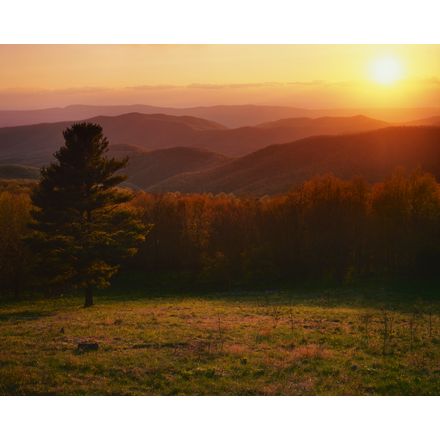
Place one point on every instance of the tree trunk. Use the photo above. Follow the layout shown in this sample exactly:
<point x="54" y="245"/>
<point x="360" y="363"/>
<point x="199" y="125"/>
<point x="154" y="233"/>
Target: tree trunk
<point x="17" y="289"/>
<point x="89" y="296"/>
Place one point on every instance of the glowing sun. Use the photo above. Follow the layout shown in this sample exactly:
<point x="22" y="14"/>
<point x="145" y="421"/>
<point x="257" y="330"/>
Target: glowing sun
<point x="386" y="70"/>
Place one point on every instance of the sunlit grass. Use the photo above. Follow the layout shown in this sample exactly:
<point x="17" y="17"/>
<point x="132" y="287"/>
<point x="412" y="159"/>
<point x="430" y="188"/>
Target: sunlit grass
<point x="256" y="343"/>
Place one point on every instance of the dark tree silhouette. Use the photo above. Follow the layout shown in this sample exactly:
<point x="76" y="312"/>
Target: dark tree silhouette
<point x="82" y="227"/>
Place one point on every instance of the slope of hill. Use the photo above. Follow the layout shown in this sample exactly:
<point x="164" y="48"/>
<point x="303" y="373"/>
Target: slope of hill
<point x="276" y="168"/>
<point x="12" y="171"/>
<point x="146" y="169"/>
<point x="35" y="144"/>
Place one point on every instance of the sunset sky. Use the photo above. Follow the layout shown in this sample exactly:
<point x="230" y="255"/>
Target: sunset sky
<point x="326" y="76"/>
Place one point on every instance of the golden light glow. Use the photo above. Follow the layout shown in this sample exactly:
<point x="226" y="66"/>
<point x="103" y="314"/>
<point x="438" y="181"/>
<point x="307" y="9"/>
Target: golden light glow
<point x="386" y="70"/>
<point x="310" y="76"/>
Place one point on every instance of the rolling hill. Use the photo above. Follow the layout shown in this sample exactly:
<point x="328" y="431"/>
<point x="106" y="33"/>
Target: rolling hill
<point x="35" y="144"/>
<point x="276" y="168"/>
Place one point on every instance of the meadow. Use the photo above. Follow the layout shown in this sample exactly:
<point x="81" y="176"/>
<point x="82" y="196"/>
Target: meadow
<point x="346" y="341"/>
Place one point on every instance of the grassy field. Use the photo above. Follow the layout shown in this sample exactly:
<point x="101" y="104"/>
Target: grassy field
<point x="331" y="342"/>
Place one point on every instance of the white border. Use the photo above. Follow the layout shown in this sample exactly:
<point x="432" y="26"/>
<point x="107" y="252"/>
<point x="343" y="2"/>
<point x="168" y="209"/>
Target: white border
<point x="226" y="22"/>
<point x="222" y="418"/>
<point x="221" y="21"/>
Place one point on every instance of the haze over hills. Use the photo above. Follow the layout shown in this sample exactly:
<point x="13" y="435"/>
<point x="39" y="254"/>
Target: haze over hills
<point x="35" y="144"/>
<point x="232" y="116"/>
<point x="274" y="169"/>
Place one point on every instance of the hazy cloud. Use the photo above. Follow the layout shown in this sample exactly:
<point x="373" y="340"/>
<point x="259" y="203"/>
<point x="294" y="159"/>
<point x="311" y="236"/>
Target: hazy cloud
<point x="234" y="85"/>
<point x="148" y="87"/>
<point x="310" y="94"/>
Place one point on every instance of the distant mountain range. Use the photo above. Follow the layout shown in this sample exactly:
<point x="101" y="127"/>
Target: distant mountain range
<point x="232" y="116"/>
<point x="35" y="144"/>
<point x="190" y="154"/>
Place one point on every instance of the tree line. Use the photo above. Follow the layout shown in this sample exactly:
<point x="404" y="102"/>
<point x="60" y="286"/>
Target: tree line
<point x="74" y="227"/>
<point x="327" y="229"/>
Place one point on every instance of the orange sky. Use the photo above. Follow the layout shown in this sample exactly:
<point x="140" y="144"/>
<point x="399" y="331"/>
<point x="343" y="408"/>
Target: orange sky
<point x="313" y="76"/>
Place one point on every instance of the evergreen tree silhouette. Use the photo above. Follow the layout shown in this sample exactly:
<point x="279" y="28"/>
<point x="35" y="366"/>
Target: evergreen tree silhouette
<point x="81" y="227"/>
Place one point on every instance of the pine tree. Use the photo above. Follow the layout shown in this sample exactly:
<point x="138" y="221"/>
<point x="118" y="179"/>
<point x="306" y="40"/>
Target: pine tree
<point x="82" y="225"/>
